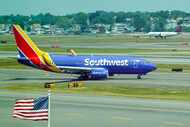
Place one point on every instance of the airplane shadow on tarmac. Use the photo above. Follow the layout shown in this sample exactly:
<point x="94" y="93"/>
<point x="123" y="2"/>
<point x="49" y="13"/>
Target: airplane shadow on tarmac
<point x="48" y="80"/>
<point x="64" y="80"/>
<point x="20" y="79"/>
<point x="53" y="79"/>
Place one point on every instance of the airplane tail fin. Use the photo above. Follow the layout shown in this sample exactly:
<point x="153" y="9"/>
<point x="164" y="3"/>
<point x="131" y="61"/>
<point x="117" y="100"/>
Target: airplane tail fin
<point x="25" y="45"/>
<point x="178" y="29"/>
<point x="30" y="51"/>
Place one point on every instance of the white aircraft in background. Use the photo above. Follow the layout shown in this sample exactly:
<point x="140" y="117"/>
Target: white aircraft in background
<point x="162" y="35"/>
<point x="4" y="31"/>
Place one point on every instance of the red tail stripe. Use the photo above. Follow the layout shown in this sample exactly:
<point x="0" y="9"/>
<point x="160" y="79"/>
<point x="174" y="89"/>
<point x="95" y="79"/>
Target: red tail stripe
<point x="25" y="48"/>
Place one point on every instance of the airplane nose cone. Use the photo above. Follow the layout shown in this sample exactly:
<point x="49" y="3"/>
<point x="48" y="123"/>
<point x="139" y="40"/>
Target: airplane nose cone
<point x="152" y="67"/>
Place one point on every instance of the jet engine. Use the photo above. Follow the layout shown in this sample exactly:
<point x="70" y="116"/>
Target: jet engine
<point x="96" y="74"/>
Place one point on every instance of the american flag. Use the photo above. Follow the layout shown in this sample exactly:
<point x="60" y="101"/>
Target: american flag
<point x="31" y="109"/>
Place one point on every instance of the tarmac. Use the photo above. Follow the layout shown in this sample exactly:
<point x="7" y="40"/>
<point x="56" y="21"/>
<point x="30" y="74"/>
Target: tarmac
<point x="157" y="79"/>
<point x="157" y="58"/>
<point x="102" y="111"/>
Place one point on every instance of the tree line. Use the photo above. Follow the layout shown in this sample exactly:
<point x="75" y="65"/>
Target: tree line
<point x="141" y="21"/>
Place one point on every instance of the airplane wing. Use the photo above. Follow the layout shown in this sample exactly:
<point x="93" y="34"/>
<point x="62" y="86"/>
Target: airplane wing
<point x="70" y="69"/>
<point x="87" y="73"/>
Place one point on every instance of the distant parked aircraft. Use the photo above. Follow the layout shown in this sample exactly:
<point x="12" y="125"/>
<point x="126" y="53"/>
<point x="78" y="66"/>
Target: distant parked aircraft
<point x="4" y="31"/>
<point x="87" y="67"/>
<point x="162" y="35"/>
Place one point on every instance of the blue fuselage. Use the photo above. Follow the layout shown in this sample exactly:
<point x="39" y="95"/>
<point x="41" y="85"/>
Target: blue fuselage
<point x="114" y="64"/>
<point x="89" y="67"/>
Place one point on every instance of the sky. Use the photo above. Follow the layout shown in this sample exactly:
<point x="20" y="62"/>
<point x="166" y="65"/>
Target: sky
<point x="62" y="7"/>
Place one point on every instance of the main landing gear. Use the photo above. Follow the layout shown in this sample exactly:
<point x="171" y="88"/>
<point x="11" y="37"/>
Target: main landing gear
<point x="139" y="76"/>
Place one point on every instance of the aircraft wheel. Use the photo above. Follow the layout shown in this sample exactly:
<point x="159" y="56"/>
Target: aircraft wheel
<point x="139" y="77"/>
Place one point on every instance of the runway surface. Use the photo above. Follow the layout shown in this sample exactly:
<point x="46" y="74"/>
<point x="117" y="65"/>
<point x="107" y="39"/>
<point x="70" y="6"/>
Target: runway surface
<point x="157" y="58"/>
<point x="101" y="111"/>
<point x="16" y="76"/>
<point x="123" y="45"/>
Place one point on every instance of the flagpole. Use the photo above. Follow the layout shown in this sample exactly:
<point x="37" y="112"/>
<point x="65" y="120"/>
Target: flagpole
<point x="49" y="107"/>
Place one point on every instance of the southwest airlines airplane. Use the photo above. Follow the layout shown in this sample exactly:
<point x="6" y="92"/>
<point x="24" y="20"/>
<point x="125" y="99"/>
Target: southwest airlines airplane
<point x="87" y="67"/>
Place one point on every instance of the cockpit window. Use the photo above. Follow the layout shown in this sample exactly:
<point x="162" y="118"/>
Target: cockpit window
<point x="142" y="61"/>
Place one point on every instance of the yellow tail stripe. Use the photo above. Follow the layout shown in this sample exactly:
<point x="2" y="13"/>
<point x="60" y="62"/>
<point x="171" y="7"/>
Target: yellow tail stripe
<point x="40" y="53"/>
<point x="30" y="42"/>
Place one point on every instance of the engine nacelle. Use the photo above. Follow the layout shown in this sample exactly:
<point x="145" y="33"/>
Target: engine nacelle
<point x="96" y="74"/>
